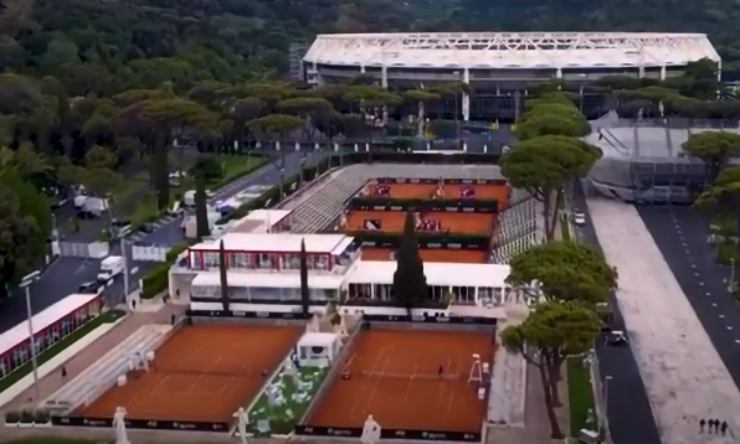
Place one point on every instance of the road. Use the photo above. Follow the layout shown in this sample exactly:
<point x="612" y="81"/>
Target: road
<point x="681" y="234"/>
<point x="64" y="276"/>
<point x="628" y="409"/>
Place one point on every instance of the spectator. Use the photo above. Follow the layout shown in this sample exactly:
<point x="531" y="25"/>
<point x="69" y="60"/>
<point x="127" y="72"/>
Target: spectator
<point x="64" y="372"/>
<point x="702" y="422"/>
<point x="723" y="428"/>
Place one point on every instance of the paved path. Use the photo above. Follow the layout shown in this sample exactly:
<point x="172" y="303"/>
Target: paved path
<point x="684" y="376"/>
<point x="52" y="382"/>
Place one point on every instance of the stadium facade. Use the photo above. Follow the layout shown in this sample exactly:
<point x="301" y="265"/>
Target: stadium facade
<point x="501" y="67"/>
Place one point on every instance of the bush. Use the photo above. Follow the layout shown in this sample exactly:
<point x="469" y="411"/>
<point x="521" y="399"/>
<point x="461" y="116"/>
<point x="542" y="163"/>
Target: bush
<point x="12" y="417"/>
<point x="42" y="417"/>
<point x="175" y="251"/>
<point x="155" y="281"/>
<point x="27" y="416"/>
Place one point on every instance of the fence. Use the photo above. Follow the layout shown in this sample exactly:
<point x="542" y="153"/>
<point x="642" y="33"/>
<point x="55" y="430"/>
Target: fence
<point x="93" y="250"/>
<point x="149" y="253"/>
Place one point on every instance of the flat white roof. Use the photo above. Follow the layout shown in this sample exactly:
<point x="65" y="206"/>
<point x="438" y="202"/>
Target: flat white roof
<point x="511" y="50"/>
<point x="440" y="274"/>
<point x="266" y="279"/>
<point x="269" y="216"/>
<point x="279" y="242"/>
<point x="43" y="319"/>
<point x="311" y="339"/>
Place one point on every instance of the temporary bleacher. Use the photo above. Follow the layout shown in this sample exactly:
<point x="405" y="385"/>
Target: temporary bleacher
<point x="325" y="205"/>
<point x="517" y="229"/>
<point x="102" y="375"/>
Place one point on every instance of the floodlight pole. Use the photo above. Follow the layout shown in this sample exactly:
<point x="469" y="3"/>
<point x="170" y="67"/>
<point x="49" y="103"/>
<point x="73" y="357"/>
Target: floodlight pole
<point x="26" y="282"/>
<point x="124" y="255"/>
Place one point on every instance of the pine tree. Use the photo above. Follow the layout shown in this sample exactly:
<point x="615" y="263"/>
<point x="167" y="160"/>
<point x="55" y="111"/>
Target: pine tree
<point x="201" y="209"/>
<point x="409" y="282"/>
<point x="305" y="295"/>
<point x="224" y="282"/>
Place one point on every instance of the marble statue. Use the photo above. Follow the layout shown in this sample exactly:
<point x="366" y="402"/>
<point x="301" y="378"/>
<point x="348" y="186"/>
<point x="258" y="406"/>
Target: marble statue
<point x="370" y="431"/>
<point x="242" y="422"/>
<point x="119" y="424"/>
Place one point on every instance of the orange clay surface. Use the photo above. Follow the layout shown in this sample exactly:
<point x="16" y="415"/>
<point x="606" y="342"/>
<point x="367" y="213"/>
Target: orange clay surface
<point x="202" y="392"/>
<point x="429" y="255"/>
<point x="425" y="190"/>
<point x="457" y="223"/>
<point x="427" y="402"/>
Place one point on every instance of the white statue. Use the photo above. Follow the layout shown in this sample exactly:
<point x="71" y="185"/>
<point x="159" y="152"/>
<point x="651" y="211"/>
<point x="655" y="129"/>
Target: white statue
<point x="242" y="419"/>
<point x="370" y="431"/>
<point x="119" y="423"/>
<point x="315" y="325"/>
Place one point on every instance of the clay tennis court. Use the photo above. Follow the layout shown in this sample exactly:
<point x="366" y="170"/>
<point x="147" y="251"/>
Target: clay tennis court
<point x="427" y="401"/>
<point x="429" y="255"/>
<point x="392" y="221"/>
<point x="203" y="372"/>
<point x="498" y="192"/>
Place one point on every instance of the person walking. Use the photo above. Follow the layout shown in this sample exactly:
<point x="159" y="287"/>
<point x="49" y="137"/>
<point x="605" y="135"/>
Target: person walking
<point x="723" y="428"/>
<point x="64" y="372"/>
<point x="710" y="426"/>
<point x="717" y="423"/>
<point x="702" y="422"/>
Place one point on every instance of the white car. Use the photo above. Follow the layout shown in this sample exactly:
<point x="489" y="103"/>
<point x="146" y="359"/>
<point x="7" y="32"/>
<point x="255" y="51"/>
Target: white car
<point x="579" y="218"/>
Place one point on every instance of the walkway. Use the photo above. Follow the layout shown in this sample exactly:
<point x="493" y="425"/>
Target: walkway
<point x="52" y="382"/>
<point x="683" y="374"/>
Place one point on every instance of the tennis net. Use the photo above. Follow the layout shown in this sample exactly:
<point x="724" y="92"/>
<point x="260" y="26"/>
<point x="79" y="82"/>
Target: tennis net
<point x="233" y="372"/>
<point x="411" y="376"/>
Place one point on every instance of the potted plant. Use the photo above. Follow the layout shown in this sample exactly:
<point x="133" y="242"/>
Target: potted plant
<point x="12" y="418"/>
<point x="43" y="418"/>
<point x="28" y="419"/>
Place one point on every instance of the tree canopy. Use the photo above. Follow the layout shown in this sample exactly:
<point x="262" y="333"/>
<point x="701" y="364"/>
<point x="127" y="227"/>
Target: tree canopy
<point x="714" y="148"/>
<point x="566" y="271"/>
<point x="409" y="281"/>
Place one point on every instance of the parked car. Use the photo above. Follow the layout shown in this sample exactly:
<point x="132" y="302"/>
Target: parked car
<point x="579" y="218"/>
<point x="147" y="227"/>
<point x="617" y="338"/>
<point x="91" y="287"/>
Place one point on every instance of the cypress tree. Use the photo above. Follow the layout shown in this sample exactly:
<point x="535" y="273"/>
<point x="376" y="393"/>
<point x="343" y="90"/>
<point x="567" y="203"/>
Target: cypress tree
<point x="409" y="282"/>
<point x="305" y="295"/>
<point x="222" y="270"/>
<point x="201" y="209"/>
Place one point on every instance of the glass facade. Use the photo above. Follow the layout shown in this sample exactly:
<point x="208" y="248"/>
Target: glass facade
<point x="377" y="293"/>
<point x="21" y="353"/>
<point x="263" y="294"/>
<point x="246" y="260"/>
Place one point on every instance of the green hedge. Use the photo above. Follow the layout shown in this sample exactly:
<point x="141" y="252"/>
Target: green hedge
<point x="155" y="281"/>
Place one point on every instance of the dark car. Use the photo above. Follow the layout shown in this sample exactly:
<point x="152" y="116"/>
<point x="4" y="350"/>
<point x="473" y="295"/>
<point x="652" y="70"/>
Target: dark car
<point x="616" y="338"/>
<point x="147" y="227"/>
<point x="91" y="287"/>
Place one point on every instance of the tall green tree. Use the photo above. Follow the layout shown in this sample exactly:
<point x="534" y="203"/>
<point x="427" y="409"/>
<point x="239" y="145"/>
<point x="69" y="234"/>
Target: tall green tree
<point x="223" y="274"/>
<point x="275" y="126"/>
<point x="17" y="231"/>
<point x="305" y="291"/>
<point x="546" y="338"/>
<point x="409" y="281"/>
<point x="543" y="166"/>
<point x="714" y="148"/>
<point x="421" y="97"/>
<point x="565" y="271"/>
<point x="201" y="208"/>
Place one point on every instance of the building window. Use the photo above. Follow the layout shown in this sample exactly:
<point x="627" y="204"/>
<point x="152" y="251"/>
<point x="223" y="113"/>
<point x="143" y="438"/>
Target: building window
<point x="292" y="261"/>
<point x="321" y="262"/>
<point x="211" y="260"/>
<point x="264" y="261"/>
<point x="238" y="260"/>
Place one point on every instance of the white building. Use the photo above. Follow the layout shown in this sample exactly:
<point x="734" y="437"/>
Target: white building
<point x="264" y="276"/>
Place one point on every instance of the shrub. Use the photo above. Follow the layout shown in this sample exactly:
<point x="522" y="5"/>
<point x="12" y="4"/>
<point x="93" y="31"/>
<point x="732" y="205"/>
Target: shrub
<point x="42" y="416"/>
<point x="175" y="251"/>
<point x="12" y="417"/>
<point x="27" y="416"/>
<point x="155" y="281"/>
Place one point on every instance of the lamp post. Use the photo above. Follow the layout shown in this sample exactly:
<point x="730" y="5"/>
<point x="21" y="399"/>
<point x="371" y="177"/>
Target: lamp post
<point x="607" y="378"/>
<point x="124" y="255"/>
<point x="731" y="285"/>
<point x="26" y="282"/>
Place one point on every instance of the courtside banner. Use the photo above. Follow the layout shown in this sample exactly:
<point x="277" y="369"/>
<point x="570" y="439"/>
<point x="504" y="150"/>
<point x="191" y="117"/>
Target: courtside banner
<point x="392" y="180"/>
<point x="469" y="320"/>
<point x="242" y="314"/>
<point x="438" y="205"/>
<point x="199" y="426"/>
<point x="424" y="435"/>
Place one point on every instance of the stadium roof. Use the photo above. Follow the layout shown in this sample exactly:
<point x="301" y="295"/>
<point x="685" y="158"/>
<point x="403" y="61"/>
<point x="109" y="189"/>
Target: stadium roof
<point x="505" y="50"/>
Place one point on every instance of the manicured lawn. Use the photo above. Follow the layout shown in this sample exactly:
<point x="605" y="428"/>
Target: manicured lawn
<point x="236" y="166"/>
<point x="107" y="317"/>
<point x="580" y="395"/>
<point x="294" y="400"/>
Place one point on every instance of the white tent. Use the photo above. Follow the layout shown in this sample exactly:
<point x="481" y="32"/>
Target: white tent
<point x="318" y="349"/>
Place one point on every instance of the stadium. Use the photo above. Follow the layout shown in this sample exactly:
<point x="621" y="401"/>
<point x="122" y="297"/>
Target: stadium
<point x="500" y="67"/>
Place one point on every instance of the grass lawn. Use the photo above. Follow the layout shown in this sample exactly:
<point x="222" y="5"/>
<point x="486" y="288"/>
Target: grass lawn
<point x="283" y="416"/>
<point x="235" y="166"/>
<point x="20" y="372"/>
<point x="580" y="395"/>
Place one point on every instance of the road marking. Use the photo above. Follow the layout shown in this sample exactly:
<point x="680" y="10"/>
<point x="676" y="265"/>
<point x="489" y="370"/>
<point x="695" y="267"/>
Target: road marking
<point x="714" y="304"/>
<point x="134" y="270"/>
<point x="701" y="283"/>
<point x="737" y="341"/>
<point x="721" y="316"/>
<point x="709" y="293"/>
<point x="696" y="274"/>
<point x="693" y="265"/>
<point x="730" y="327"/>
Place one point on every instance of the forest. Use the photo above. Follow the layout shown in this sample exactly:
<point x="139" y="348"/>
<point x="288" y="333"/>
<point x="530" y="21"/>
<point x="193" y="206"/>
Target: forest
<point x="93" y="89"/>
